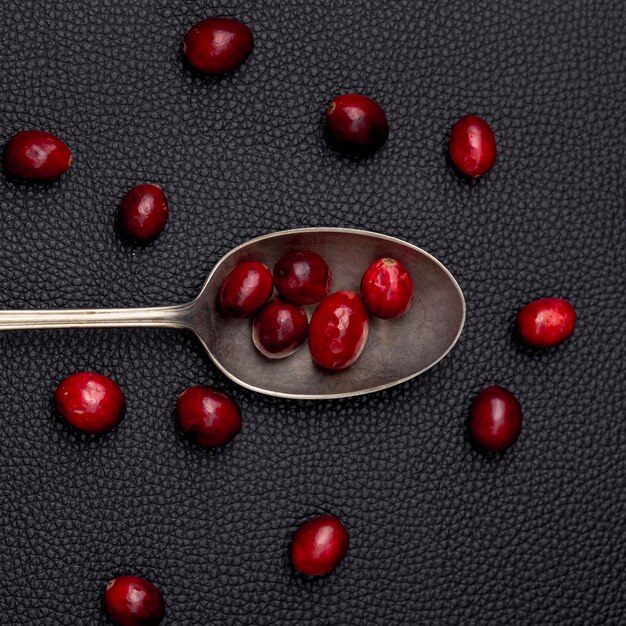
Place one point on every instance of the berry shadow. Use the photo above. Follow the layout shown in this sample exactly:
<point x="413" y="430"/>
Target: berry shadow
<point x="348" y="152"/>
<point x="201" y="77"/>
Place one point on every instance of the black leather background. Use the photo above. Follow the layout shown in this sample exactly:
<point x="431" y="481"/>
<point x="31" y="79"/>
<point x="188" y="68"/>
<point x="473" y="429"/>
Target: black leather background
<point x="440" y="534"/>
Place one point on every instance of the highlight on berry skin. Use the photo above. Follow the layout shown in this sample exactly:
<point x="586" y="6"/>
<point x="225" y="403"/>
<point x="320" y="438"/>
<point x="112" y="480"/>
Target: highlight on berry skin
<point x="472" y="146"/>
<point x="356" y="124"/>
<point x="217" y="45"/>
<point x="36" y="156"/>
<point x="495" y="421"/>
<point x="319" y="546"/>
<point x="546" y="322"/>
<point x="133" y="601"/>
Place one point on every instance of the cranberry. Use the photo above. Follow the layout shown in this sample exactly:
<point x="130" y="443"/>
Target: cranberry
<point x="246" y="289"/>
<point x="472" y="146"/>
<point x="90" y="402"/>
<point x="143" y="212"/>
<point x="319" y="545"/>
<point x="208" y="417"/>
<point x="36" y="155"/>
<point x="133" y="601"/>
<point x="279" y="329"/>
<point x="495" y="419"/>
<point x="356" y="122"/>
<point x="387" y="289"/>
<point x="302" y="277"/>
<point x="217" y="45"/>
<point x="546" y="322"/>
<point x="338" y="330"/>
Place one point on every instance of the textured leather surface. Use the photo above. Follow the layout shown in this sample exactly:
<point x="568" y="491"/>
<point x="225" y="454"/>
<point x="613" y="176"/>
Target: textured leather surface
<point x="440" y="534"/>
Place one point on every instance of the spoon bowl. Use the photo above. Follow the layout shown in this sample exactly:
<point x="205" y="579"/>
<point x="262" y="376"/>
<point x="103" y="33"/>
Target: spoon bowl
<point x="396" y="350"/>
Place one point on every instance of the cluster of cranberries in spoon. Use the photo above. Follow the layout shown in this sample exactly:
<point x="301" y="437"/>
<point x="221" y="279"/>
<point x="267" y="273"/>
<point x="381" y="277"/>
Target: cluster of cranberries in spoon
<point x="339" y="325"/>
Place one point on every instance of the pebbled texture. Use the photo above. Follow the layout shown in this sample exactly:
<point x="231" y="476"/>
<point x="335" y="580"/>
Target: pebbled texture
<point x="439" y="534"/>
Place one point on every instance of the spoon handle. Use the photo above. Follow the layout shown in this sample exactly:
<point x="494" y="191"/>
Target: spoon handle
<point x="178" y="316"/>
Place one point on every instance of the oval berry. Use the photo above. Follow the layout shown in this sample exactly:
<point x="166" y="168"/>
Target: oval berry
<point x="217" y="45"/>
<point x="143" y="213"/>
<point x="246" y="289"/>
<point x="356" y="122"/>
<point x="36" y="155"/>
<point x="546" y="322"/>
<point x="133" y="601"/>
<point x="495" y="419"/>
<point x="338" y="330"/>
<point x="279" y="329"/>
<point x="90" y="402"/>
<point x="208" y="417"/>
<point x="387" y="289"/>
<point x="319" y="546"/>
<point x="302" y="277"/>
<point x="472" y="146"/>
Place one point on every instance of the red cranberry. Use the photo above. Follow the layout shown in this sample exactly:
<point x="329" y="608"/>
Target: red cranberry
<point x="495" y="419"/>
<point x="338" y="330"/>
<point x="546" y="322"/>
<point x="36" y="155"/>
<point x="279" y="329"/>
<point x="319" y="545"/>
<point x="217" y="45"/>
<point x="143" y="212"/>
<point x="302" y="277"/>
<point x="356" y="122"/>
<point x="246" y="289"/>
<point x="90" y="402"/>
<point x="472" y="146"/>
<point x="387" y="289"/>
<point x="133" y="601"/>
<point x="208" y="417"/>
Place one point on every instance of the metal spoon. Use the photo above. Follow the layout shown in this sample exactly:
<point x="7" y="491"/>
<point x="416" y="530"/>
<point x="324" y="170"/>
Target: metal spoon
<point x="396" y="350"/>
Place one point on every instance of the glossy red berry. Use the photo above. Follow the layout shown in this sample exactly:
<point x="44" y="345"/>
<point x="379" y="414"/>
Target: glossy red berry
<point x="546" y="322"/>
<point x="246" y="289"/>
<point x="143" y="213"/>
<point x="133" y="601"/>
<point x="338" y="330"/>
<point x="495" y="419"/>
<point x="36" y="155"/>
<point x="356" y="123"/>
<point x="472" y="146"/>
<point x="319" y="546"/>
<point x="302" y="277"/>
<point x="208" y="417"/>
<point x="217" y="45"/>
<point x="387" y="289"/>
<point x="279" y="329"/>
<point x="90" y="402"/>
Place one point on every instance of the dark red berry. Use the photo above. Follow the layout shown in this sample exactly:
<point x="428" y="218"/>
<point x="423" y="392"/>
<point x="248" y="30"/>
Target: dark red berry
<point x="495" y="419"/>
<point x="36" y="155"/>
<point x="246" y="289"/>
<point x="143" y="212"/>
<point x="90" y="402"/>
<point x="319" y="545"/>
<point x="356" y="122"/>
<point x="302" y="277"/>
<point x="133" y="601"/>
<point x="217" y="45"/>
<point x="338" y="330"/>
<point x="279" y="329"/>
<point x="387" y="289"/>
<point x="472" y="146"/>
<point x="208" y="417"/>
<point x="546" y="322"/>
